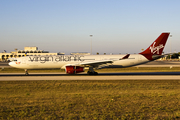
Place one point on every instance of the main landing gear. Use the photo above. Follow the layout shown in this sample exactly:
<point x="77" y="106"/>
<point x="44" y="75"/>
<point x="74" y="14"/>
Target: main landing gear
<point x="26" y="72"/>
<point x="91" y="71"/>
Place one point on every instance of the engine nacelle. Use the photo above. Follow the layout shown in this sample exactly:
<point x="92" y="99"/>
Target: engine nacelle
<point x="74" y="69"/>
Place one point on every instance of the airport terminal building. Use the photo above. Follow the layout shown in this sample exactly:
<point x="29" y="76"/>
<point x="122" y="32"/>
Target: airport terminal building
<point x="30" y="51"/>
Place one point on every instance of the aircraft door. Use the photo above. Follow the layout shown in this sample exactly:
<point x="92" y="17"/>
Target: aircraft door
<point x="23" y="61"/>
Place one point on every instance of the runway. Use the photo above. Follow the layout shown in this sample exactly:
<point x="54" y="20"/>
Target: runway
<point x="83" y="76"/>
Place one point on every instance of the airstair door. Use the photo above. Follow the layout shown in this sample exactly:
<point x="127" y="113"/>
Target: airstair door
<point x="23" y="61"/>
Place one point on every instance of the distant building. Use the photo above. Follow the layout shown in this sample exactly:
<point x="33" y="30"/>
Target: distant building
<point x="30" y="51"/>
<point x="80" y="53"/>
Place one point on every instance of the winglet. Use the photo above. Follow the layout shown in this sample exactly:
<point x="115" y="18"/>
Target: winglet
<point x="125" y="57"/>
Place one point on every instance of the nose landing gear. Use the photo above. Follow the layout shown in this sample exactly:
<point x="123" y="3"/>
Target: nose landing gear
<point x="26" y="72"/>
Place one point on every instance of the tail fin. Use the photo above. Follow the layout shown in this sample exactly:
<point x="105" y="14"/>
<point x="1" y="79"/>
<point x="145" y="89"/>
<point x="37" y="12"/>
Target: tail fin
<point x="155" y="50"/>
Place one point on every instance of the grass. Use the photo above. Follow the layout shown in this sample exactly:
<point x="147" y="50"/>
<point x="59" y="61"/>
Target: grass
<point x="120" y="99"/>
<point x="129" y="69"/>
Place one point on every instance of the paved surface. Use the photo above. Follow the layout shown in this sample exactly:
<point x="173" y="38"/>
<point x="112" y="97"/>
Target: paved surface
<point x="4" y="64"/>
<point x="101" y="76"/>
<point x="161" y="64"/>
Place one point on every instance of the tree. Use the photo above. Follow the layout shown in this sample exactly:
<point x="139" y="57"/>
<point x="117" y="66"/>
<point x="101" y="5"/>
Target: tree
<point x="174" y="56"/>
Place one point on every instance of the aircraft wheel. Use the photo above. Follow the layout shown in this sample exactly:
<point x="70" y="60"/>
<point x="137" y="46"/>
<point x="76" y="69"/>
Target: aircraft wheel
<point x="89" y="73"/>
<point x="27" y="74"/>
<point x="95" y="73"/>
<point x="92" y="73"/>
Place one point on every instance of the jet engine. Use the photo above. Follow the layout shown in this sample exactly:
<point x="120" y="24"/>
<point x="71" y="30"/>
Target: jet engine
<point x="74" y="69"/>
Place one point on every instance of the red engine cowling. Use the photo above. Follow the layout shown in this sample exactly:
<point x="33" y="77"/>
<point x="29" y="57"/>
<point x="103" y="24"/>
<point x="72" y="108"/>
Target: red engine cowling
<point x="74" y="69"/>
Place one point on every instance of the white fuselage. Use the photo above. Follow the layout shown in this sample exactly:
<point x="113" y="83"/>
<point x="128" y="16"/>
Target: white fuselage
<point x="61" y="61"/>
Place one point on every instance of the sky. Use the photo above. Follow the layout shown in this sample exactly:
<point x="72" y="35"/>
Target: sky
<point x="117" y="26"/>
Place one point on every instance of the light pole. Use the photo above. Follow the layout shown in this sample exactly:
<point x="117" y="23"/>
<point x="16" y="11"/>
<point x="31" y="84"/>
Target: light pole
<point x="171" y="47"/>
<point x="91" y="43"/>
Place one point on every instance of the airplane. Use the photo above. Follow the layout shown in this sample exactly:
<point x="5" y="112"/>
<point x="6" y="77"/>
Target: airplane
<point x="77" y="63"/>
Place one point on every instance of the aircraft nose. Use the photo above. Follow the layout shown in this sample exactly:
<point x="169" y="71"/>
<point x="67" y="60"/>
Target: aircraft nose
<point x="11" y="64"/>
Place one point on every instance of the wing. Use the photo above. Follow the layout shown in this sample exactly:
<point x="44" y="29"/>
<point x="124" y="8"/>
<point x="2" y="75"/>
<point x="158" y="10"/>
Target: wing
<point x="96" y="63"/>
<point x="99" y="62"/>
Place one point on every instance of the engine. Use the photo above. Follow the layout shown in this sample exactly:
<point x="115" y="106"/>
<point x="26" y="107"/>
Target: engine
<point x="74" y="69"/>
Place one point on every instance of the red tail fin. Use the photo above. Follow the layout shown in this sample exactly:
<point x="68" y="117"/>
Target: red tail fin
<point x="156" y="47"/>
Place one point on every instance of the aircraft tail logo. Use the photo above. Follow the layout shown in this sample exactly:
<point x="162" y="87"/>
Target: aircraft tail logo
<point x="156" y="48"/>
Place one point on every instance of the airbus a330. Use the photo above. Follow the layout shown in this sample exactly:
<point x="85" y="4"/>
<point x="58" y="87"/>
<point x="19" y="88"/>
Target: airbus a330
<point x="76" y="63"/>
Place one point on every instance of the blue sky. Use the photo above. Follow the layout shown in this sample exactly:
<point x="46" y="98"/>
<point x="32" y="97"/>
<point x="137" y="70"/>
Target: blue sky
<point x="117" y="26"/>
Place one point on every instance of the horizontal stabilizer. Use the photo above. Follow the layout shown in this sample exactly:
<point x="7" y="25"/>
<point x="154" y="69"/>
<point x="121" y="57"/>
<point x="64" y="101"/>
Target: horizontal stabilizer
<point x="125" y="57"/>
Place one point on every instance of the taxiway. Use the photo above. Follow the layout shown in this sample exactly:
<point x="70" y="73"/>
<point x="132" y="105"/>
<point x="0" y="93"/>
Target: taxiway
<point x="83" y="76"/>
